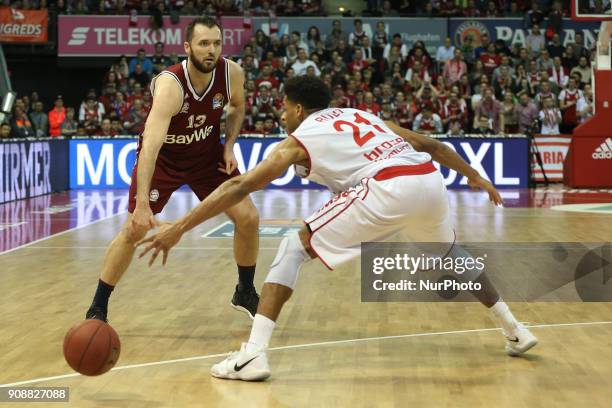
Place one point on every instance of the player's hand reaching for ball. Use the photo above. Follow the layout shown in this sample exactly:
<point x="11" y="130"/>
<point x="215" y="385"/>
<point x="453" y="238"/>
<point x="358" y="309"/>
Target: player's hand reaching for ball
<point x="165" y="238"/>
<point x="478" y="182"/>
<point x="230" y="161"/>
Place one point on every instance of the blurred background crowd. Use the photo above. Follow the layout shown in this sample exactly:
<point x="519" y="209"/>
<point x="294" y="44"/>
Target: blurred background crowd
<point x="488" y="88"/>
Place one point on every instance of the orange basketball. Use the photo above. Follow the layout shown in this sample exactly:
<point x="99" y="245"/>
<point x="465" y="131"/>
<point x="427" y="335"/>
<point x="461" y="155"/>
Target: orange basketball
<point x="92" y="347"/>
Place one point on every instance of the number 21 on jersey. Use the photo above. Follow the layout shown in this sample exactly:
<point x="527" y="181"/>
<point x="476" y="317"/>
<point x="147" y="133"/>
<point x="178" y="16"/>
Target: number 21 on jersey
<point x="360" y="139"/>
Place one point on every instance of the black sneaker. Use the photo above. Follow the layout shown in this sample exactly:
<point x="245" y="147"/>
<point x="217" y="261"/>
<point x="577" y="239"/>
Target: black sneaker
<point x="96" y="312"/>
<point x="246" y="301"/>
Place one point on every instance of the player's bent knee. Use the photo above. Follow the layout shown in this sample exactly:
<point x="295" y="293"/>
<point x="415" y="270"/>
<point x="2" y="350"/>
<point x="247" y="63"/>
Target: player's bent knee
<point x="289" y="259"/>
<point x="471" y="274"/>
<point x="247" y="219"/>
<point x="132" y="235"/>
<point x="243" y="211"/>
<point x="251" y="218"/>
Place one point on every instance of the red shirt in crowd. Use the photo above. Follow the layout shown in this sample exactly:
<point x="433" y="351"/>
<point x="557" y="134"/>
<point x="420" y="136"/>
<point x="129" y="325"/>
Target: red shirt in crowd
<point x="428" y="124"/>
<point x="120" y="108"/>
<point x="357" y="66"/>
<point x="569" y="114"/>
<point x="55" y="121"/>
<point x="489" y="61"/>
<point x="274" y="82"/>
<point x="373" y="108"/>
<point x="423" y="59"/>
<point x="455" y="110"/>
<point x="432" y="104"/>
<point x="344" y="102"/>
<point x="404" y="114"/>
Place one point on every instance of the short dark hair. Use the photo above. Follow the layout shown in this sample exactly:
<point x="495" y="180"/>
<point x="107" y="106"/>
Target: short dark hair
<point x="207" y="21"/>
<point x="310" y="92"/>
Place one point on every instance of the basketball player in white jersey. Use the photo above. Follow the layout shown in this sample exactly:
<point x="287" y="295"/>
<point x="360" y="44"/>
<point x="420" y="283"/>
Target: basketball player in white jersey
<point x="384" y="182"/>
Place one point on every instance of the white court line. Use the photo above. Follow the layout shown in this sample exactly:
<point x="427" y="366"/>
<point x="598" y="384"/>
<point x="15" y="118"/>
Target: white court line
<point x="299" y="346"/>
<point x="59" y="233"/>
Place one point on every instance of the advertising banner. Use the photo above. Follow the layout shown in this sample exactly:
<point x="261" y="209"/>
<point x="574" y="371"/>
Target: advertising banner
<point x="108" y="163"/>
<point x="553" y="149"/>
<point x="512" y="30"/>
<point x="589" y="162"/>
<point x="431" y="31"/>
<point x="503" y="161"/>
<point x="99" y="36"/>
<point x="29" y="169"/>
<point x="23" y="26"/>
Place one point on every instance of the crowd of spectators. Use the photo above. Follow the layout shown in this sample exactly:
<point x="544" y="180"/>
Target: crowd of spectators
<point x="118" y="108"/>
<point x="480" y="86"/>
<point x="158" y="8"/>
<point x="387" y="8"/>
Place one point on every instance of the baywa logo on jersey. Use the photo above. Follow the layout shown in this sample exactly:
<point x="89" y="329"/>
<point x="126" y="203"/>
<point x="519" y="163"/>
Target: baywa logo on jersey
<point x="603" y="151"/>
<point x="473" y="30"/>
<point x="78" y="36"/>
<point x="217" y="101"/>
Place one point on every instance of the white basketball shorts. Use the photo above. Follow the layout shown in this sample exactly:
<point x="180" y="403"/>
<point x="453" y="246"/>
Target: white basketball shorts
<point x="395" y="201"/>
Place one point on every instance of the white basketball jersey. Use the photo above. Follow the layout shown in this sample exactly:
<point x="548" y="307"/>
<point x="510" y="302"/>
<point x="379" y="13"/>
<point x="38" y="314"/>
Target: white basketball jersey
<point x="347" y="145"/>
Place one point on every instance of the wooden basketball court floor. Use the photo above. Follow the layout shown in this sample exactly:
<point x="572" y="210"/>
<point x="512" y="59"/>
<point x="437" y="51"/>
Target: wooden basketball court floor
<point x="329" y="349"/>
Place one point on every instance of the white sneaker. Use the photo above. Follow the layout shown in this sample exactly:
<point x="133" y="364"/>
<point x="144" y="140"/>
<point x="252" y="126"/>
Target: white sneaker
<point x="242" y="365"/>
<point x="519" y="341"/>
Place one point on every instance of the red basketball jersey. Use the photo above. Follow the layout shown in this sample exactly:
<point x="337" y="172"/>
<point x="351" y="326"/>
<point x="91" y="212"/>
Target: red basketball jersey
<point x="193" y="137"/>
<point x="569" y="114"/>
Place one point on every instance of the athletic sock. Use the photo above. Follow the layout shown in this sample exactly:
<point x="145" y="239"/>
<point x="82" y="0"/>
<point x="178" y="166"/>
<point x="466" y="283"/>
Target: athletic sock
<point x="504" y="316"/>
<point x="261" y="332"/>
<point x="246" y="274"/>
<point x="103" y="292"/>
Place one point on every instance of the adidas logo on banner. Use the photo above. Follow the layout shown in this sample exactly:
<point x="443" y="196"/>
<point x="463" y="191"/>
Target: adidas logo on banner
<point x="604" y="151"/>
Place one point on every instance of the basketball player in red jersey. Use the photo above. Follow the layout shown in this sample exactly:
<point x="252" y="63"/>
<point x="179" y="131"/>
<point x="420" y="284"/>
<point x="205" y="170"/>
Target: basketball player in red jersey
<point x="180" y="144"/>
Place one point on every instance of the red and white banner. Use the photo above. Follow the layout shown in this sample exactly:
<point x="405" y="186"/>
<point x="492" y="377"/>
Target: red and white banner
<point x="28" y="26"/>
<point x="553" y="149"/>
<point x="99" y="36"/>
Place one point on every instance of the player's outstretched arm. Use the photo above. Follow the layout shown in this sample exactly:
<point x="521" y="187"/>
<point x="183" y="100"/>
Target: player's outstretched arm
<point x="448" y="158"/>
<point x="226" y="195"/>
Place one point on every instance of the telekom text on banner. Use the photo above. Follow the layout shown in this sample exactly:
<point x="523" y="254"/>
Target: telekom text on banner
<point x="28" y="26"/>
<point x="115" y="35"/>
